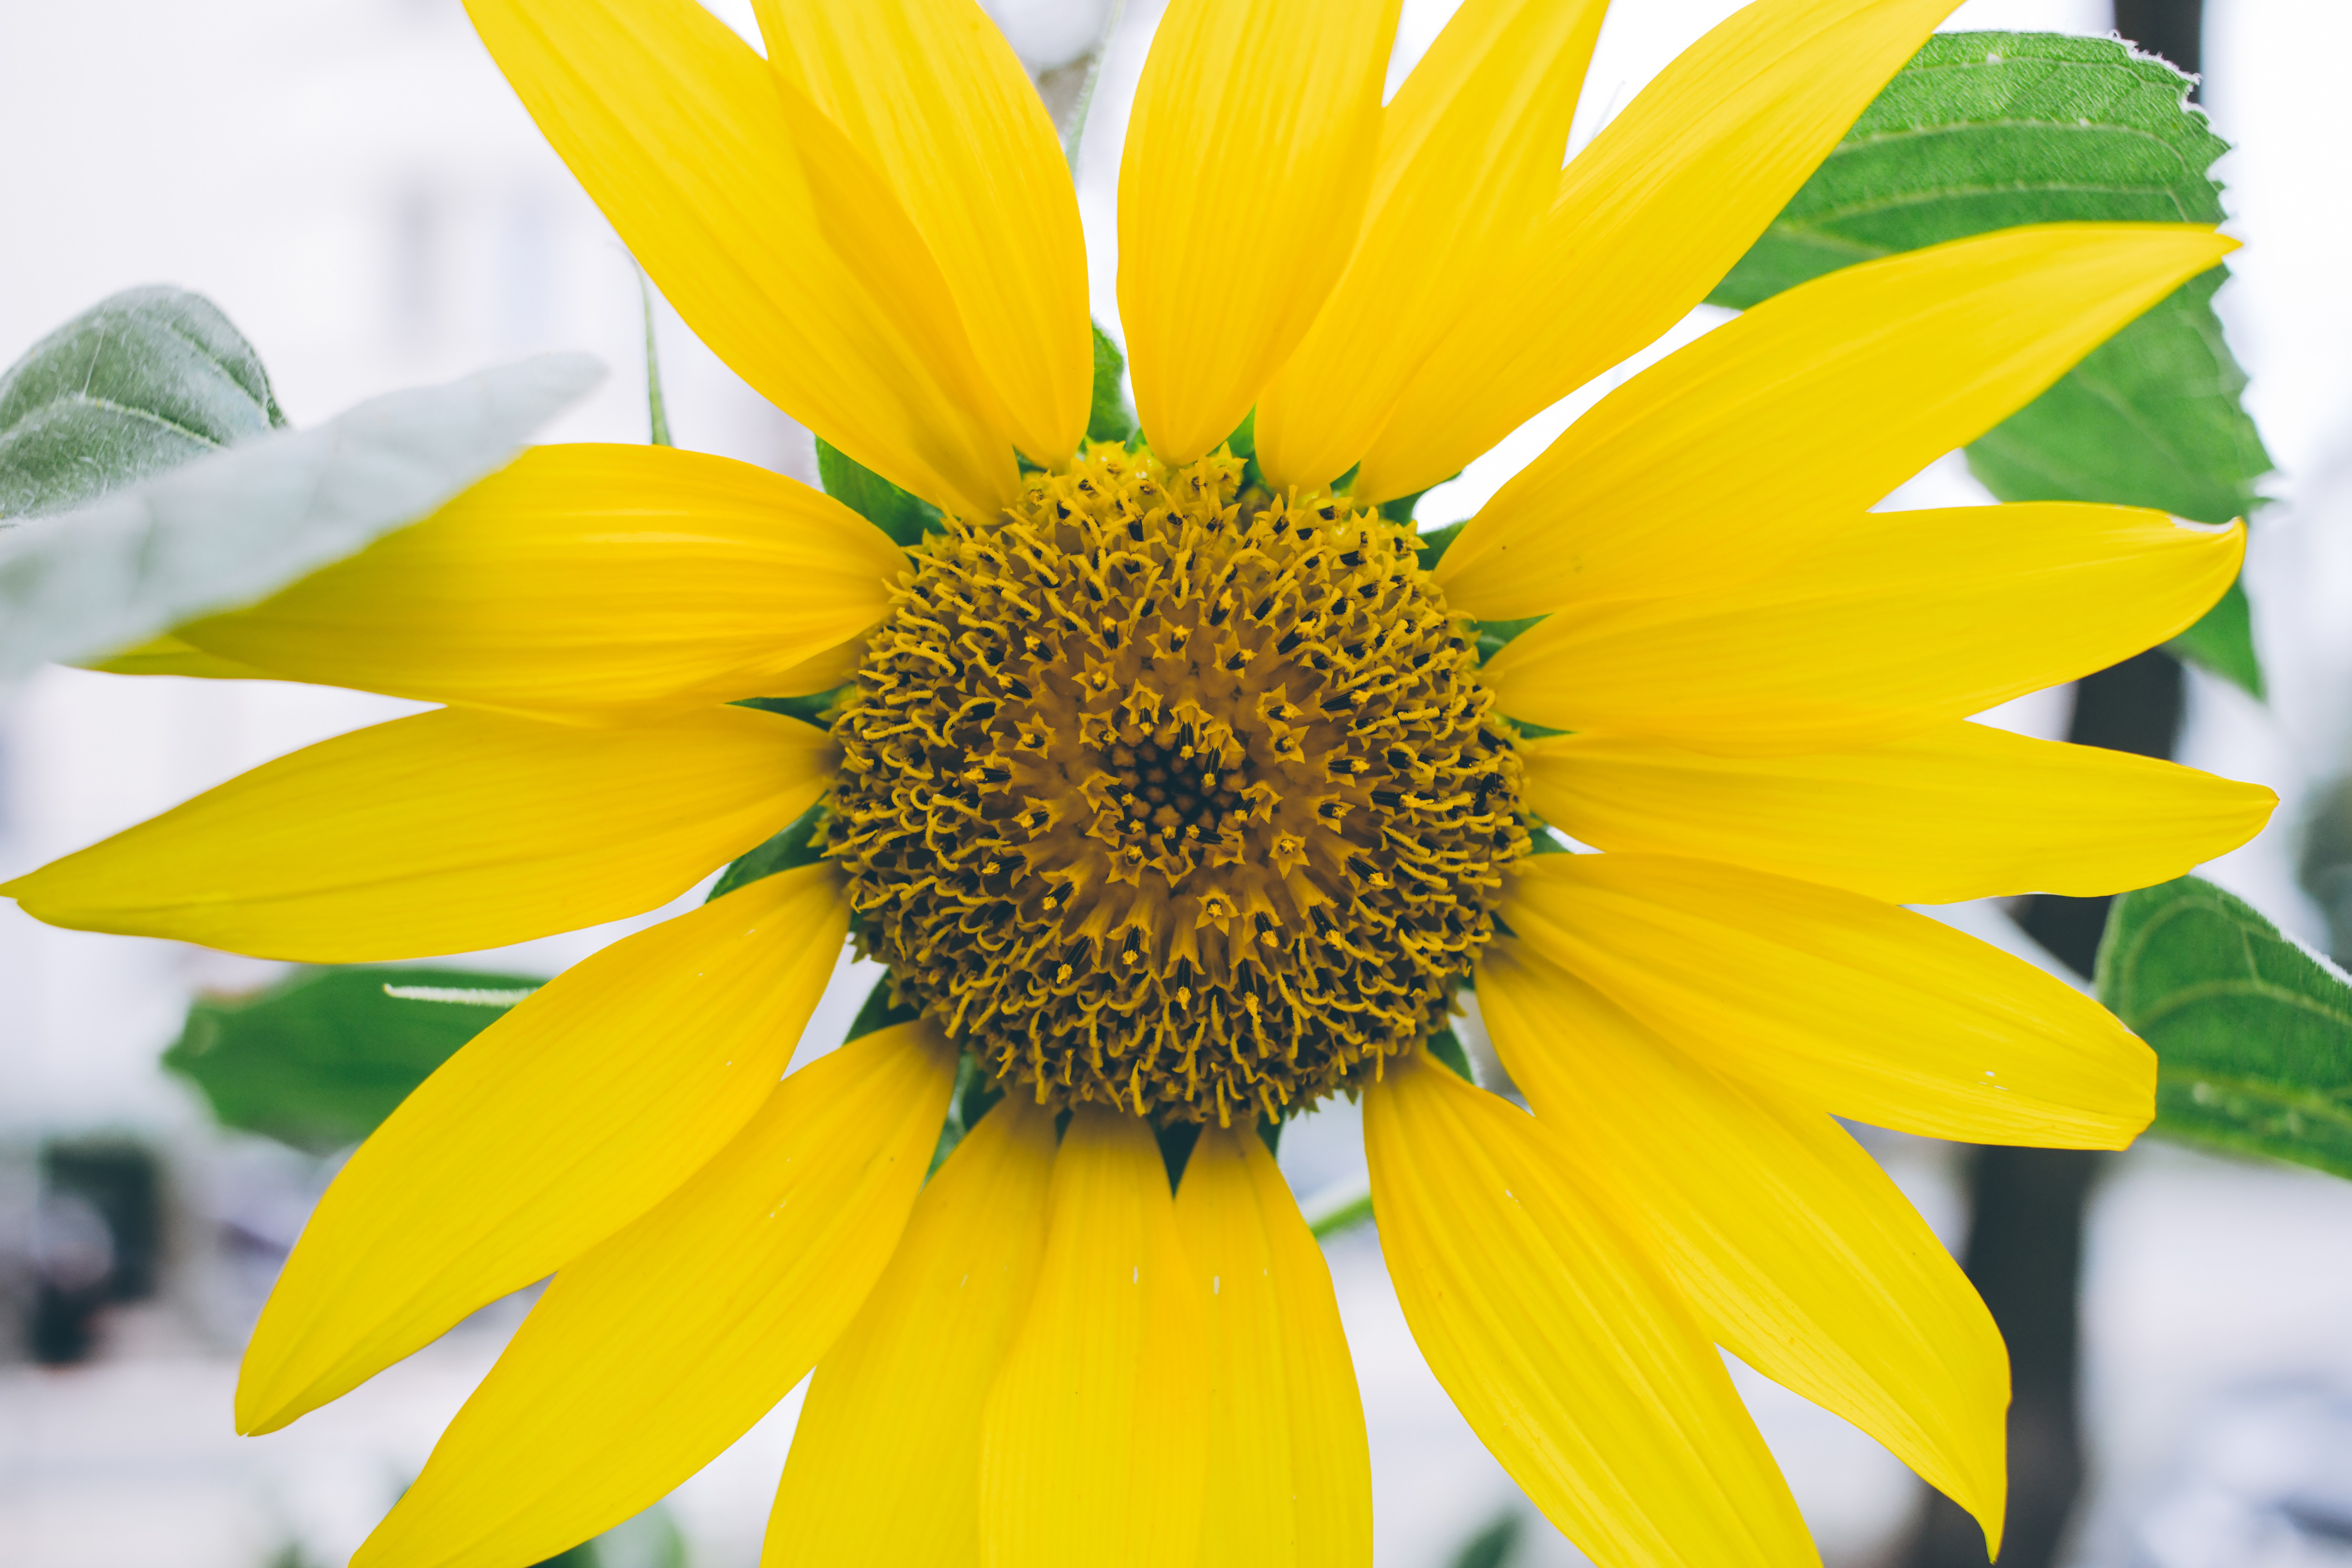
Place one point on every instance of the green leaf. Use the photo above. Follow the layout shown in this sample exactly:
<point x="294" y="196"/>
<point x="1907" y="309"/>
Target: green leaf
<point x="815" y="709"/>
<point x="319" y="1059"/>
<point x="656" y="406"/>
<point x="902" y="516"/>
<point x="1109" y="419"/>
<point x="2222" y="640"/>
<point x="1494" y="1546"/>
<point x="1986" y="130"/>
<point x="237" y="524"/>
<point x="795" y="846"/>
<point x="140" y="383"/>
<point x="2253" y="1034"/>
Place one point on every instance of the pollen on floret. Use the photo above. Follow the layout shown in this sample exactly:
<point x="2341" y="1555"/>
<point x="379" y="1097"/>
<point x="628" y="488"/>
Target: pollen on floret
<point x="1166" y="797"/>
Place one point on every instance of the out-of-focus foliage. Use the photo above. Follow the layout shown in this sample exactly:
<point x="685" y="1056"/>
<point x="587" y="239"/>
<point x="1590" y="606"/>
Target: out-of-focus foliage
<point x="318" y="1059"/>
<point x="1986" y="130"/>
<point x="2253" y="1034"/>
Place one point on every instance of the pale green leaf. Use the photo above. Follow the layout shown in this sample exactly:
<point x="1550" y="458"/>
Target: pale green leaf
<point x="140" y="383"/>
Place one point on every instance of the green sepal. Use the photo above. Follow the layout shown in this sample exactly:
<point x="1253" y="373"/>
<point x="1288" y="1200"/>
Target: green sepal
<point x="903" y="516"/>
<point x="1447" y="1048"/>
<point x="1400" y="509"/>
<point x="1989" y="131"/>
<point x="1176" y="1141"/>
<point x="815" y="709"/>
<point x="795" y="846"/>
<point x="878" y="1012"/>
<point x="1109" y="418"/>
<point x="2253" y="1034"/>
<point x="142" y="382"/>
<point x="1494" y="636"/>
<point x="318" y="1060"/>
<point x="1431" y="546"/>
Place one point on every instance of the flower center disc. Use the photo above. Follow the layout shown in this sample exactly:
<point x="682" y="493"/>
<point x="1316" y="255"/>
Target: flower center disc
<point x="1161" y="798"/>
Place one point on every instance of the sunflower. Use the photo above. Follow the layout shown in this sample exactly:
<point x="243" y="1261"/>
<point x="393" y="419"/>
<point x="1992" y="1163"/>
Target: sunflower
<point x="1181" y="790"/>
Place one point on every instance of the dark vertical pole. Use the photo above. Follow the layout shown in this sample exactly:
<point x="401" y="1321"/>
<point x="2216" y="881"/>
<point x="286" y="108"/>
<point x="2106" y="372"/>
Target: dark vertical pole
<point x="2172" y="28"/>
<point x="2025" y="1233"/>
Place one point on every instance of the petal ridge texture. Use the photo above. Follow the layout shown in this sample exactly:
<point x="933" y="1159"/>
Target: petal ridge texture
<point x="884" y="1465"/>
<point x="766" y="228"/>
<point x="1758" y="440"/>
<point x="1245" y="106"/>
<point x="1790" y="1245"/>
<point x="1095" y="1441"/>
<point x="584" y="581"/>
<point x="443" y="832"/>
<point x="1290" y="1479"/>
<point x="1563" y="1345"/>
<point x="664" y="1343"/>
<point x="575" y="1113"/>
<point x="1839" y="1002"/>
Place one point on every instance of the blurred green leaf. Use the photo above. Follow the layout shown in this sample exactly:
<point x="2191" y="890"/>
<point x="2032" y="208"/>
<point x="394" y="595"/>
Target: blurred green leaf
<point x="902" y="516"/>
<point x="1986" y="130"/>
<point x="795" y="846"/>
<point x="319" y="1059"/>
<point x="2253" y="1034"/>
<point x="143" y="380"/>
<point x="656" y="406"/>
<point x="1108" y="419"/>
<point x="1494" y="1546"/>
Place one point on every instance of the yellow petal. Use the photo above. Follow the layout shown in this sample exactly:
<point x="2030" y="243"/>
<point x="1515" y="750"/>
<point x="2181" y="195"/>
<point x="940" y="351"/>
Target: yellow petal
<point x="1838" y="1001"/>
<point x="553" y="1128"/>
<point x="1094" y="1437"/>
<point x="1563" y="1345"/>
<point x="765" y="228"/>
<point x="1290" y="1479"/>
<point x="1647" y="219"/>
<point x="1904" y="622"/>
<point x="1761" y="438"/>
<point x="1470" y="151"/>
<point x="931" y="92"/>
<point x="442" y="833"/>
<point x="586" y="582"/>
<point x="1796" y="1252"/>
<point x="1247" y="107"/>
<point x="650" y="1353"/>
<point x="885" y="1459"/>
<point x="1960" y="811"/>
<point x="170" y="655"/>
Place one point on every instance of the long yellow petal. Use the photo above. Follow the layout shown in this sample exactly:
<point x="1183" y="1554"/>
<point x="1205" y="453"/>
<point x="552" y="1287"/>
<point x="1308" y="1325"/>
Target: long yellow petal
<point x="884" y="1465"/>
<point x="1960" y="811"/>
<point x="586" y="582"/>
<point x="1095" y="1439"/>
<point x="1794" y="1249"/>
<point x="1245" y="107"/>
<point x="442" y="833"/>
<point x="1906" y="620"/>
<point x="1761" y="439"/>
<point x="1469" y="152"/>
<point x="553" y="1128"/>
<point x="766" y="229"/>
<point x="1290" y="1479"/>
<point x="1561" y="1343"/>
<point x="1838" y="1001"/>
<point x="1647" y="219"/>
<point x="653" y="1351"/>
<point x="931" y="93"/>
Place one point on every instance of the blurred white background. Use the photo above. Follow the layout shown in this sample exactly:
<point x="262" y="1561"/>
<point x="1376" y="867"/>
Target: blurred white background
<point x="353" y="183"/>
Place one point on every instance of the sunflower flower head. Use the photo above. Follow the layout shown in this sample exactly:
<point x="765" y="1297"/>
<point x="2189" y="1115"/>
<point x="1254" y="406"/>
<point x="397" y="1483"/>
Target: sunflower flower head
<point x="1175" y="795"/>
<point x="1173" y="798"/>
